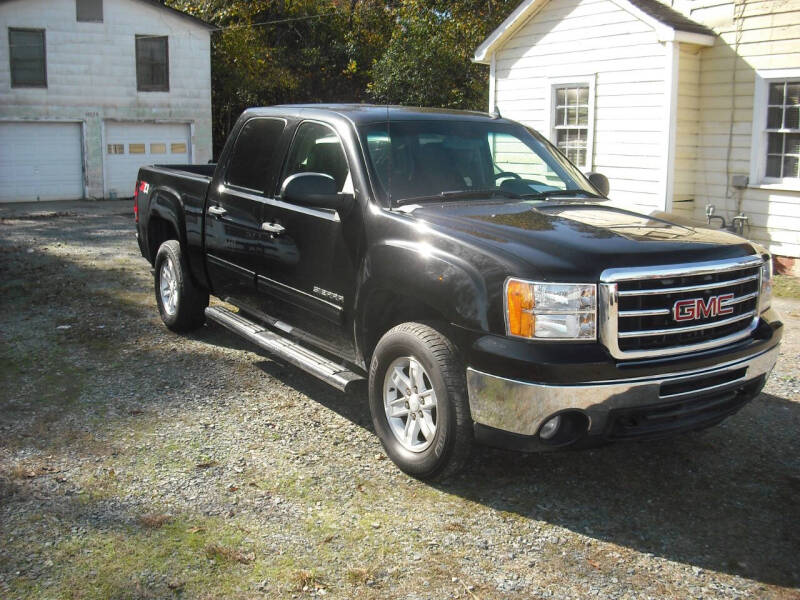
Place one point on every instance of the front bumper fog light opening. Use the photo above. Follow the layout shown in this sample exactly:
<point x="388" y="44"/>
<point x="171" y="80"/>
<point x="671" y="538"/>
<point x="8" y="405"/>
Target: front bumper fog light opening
<point x="550" y="428"/>
<point x="564" y="428"/>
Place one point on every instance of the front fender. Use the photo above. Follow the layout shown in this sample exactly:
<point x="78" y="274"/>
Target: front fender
<point x="442" y="281"/>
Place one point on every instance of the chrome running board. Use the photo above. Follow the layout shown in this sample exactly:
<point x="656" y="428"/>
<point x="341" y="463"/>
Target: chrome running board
<point x="286" y="349"/>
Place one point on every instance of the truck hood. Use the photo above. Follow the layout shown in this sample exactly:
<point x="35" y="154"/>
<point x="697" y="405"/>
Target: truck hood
<point x="576" y="240"/>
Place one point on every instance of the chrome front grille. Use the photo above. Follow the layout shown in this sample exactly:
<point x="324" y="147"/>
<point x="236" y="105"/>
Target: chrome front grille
<point x="638" y="318"/>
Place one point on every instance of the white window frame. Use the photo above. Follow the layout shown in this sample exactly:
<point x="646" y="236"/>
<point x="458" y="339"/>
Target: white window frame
<point x="550" y="96"/>
<point x="758" y="146"/>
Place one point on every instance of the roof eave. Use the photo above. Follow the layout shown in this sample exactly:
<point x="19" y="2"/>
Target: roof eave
<point x="527" y="9"/>
<point x="520" y="14"/>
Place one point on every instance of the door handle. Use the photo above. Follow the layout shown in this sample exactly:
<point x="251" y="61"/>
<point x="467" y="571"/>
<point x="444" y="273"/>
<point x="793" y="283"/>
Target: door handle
<point x="216" y="211"/>
<point x="273" y="228"/>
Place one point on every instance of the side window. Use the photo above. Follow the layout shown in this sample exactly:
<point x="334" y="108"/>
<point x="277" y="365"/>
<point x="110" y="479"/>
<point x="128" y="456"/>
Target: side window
<point x="253" y="155"/>
<point x="317" y="149"/>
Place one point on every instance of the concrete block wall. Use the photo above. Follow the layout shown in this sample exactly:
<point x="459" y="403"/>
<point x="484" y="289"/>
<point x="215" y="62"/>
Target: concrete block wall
<point x="91" y="73"/>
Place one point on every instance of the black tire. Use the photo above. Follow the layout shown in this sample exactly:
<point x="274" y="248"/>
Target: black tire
<point x="453" y="437"/>
<point x="188" y="313"/>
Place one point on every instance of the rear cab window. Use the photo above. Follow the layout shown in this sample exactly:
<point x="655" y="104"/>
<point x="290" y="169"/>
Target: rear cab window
<point x="254" y="159"/>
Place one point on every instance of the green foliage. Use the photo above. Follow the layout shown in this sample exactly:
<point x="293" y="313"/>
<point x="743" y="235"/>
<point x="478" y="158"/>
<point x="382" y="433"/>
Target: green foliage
<point x="428" y="60"/>
<point x="294" y="51"/>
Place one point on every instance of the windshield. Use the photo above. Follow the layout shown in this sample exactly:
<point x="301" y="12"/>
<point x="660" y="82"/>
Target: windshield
<point x="431" y="159"/>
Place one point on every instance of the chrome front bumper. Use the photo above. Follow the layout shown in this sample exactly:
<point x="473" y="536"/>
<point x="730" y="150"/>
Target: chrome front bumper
<point x="521" y="407"/>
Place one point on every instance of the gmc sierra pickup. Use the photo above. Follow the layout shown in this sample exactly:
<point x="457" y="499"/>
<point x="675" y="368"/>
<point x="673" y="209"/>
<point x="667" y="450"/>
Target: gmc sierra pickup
<point x="484" y="287"/>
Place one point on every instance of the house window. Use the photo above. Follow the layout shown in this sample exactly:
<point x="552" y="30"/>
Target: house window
<point x="26" y="49"/>
<point x="571" y="122"/>
<point x="783" y="130"/>
<point x="152" y="63"/>
<point x="90" y="11"/>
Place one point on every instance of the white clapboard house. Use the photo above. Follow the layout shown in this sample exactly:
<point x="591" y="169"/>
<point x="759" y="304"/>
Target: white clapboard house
<point x="92" y="89"/>
<point x="681" y="105"/>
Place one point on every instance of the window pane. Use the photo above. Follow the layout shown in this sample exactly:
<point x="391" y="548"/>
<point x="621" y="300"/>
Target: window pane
<point x="572" y="96"/>
<point x="792" y="143"/>
<point x="158" y="148"/>
<point x="790" y="119"/>
<point x="773" y="166"/>
<point x="790" y="166"/>
<point x="572" y="117"/>
<point x="178" y="148"/>
<point x="776" y="93"/>
<point x="561" y="116"/>
<point x="152" y="63"/>
<point x="89" y="10"/>
<point x="583" y="115"/>
<point x="774" y="118"/>
<point x="774" y="143"/>
<point x="316" y="149"/>
<point x="583" y="95"/>
<point x="252" y="161"/>
<point x="792" y="94"/>
<point x="136" y="148"/>
<point x="26" y="49"/>
<point x="561" y="96"/>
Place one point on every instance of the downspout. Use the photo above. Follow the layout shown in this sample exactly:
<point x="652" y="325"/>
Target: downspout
<point x="492" y="82"/>
<point x="671" y="114"/>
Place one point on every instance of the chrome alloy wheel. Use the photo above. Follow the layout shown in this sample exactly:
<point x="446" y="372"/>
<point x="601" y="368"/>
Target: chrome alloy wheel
<point x="410" y="404"/>
<point x="168" y="287"/>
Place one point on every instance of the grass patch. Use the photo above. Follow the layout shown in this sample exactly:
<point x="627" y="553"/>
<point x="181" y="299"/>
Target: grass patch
<point x="307" y="579"/>
<point x="786" y="286"/>
<point x="359" y="575"/>
<point x="226" y="553"/>
<point x="154" y="520"/>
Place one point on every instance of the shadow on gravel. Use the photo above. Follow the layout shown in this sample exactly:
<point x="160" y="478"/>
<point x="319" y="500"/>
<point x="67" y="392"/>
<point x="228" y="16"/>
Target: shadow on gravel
<point x="724" y="499"/>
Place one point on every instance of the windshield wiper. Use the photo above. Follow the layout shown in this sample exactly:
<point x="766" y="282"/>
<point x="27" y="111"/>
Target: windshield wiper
<point x="553" y="193"/>
<point x="459" y="195"/>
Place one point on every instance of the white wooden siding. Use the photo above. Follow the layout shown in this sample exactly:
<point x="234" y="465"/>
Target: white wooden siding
<point x="768" y="37"/>
<point x="571" y="38"/>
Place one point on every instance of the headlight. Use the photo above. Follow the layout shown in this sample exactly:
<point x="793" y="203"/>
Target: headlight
<point x="556" y="311"/>
<point x="765" y="296"/>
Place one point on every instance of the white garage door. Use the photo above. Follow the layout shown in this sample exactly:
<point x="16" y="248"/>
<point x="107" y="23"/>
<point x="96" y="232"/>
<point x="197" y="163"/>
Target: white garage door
<point x="132" y="145"/>
<point x="40" y="161"/>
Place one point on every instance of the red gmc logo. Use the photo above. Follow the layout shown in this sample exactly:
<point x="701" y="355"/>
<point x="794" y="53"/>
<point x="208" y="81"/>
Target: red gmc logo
<point x="702" y="308"/>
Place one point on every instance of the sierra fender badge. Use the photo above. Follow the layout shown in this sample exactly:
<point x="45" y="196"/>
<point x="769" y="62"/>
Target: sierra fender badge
<point x="328" y="295"/>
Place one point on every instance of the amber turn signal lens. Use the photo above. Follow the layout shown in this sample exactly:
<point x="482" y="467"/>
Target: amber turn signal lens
<point x="519" y="303"/>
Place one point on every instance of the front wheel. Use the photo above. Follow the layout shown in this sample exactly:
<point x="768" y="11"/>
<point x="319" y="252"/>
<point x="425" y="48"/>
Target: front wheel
<point x="181" y="303"/>
<point x="418" y="401"/>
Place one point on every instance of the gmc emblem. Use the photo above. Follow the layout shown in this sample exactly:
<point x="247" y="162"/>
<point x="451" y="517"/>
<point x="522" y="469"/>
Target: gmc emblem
<point x="702" y="308"/>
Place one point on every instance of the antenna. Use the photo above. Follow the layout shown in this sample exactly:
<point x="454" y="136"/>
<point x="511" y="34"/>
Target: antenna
<point x="496" y="113"/>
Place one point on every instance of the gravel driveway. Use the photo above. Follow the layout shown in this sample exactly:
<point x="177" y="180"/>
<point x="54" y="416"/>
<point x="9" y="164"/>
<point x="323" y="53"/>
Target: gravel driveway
<point x="136" y="463"/>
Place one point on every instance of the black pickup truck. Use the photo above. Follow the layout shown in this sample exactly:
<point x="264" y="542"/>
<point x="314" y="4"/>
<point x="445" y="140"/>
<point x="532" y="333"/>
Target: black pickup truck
<point x="482" y="285"/>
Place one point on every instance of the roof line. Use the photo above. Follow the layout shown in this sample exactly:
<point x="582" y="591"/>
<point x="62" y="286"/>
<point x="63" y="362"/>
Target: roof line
<point x="159" y="4"/>
<point x="669" y="24"/>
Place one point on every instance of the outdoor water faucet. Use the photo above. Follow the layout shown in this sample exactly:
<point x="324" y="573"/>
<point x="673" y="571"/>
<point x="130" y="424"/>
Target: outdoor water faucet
<point x="710" y="208"/>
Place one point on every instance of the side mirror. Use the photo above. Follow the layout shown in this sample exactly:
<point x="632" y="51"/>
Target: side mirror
<point x="314" y="189"/>
<point x="600" y="182"/>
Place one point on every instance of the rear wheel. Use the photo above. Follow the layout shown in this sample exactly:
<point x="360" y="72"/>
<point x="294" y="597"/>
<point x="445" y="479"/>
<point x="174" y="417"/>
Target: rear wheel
<point x="418" y="401"/>
<point x="180" y="303"/>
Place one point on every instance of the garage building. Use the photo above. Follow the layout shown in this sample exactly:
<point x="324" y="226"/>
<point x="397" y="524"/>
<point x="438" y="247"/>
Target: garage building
<point x="90" y="90"/>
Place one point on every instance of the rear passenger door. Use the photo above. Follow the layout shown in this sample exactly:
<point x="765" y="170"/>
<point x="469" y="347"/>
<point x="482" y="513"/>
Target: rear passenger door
<point x="235" y="241"/>
<point x="309" y="280"/>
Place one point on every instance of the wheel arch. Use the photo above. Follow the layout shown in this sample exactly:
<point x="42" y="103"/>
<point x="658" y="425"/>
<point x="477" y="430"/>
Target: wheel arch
<point x="415" y="283"/>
